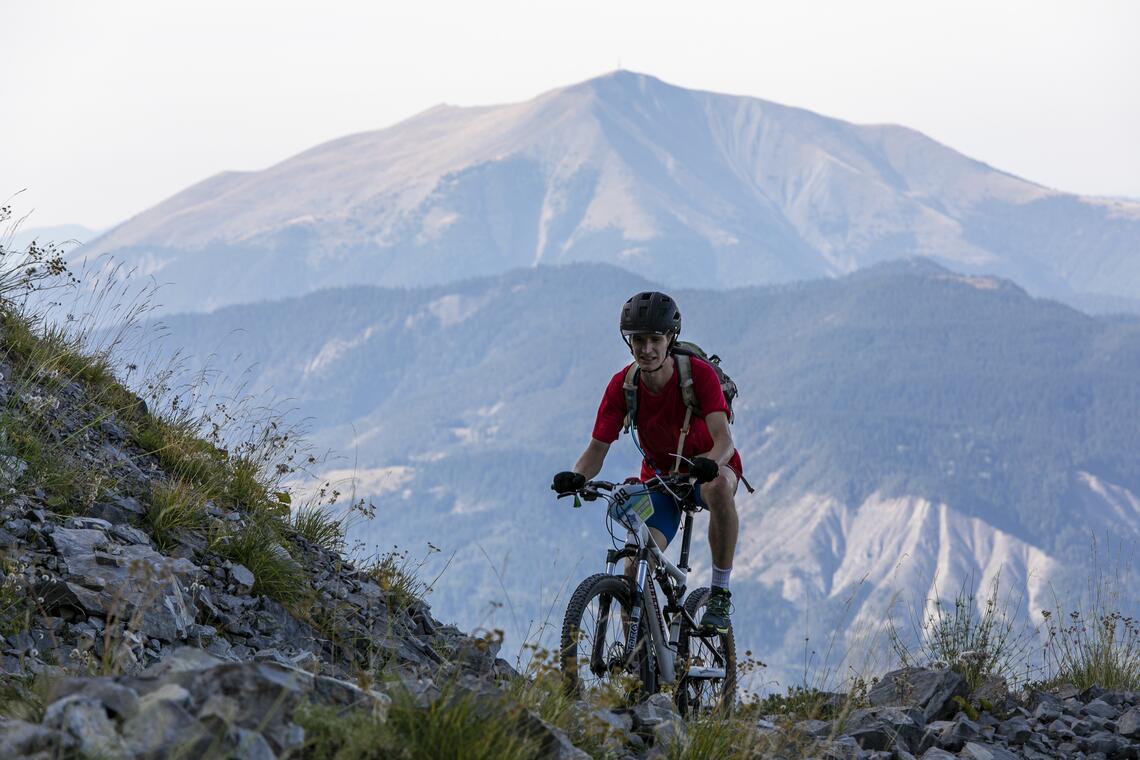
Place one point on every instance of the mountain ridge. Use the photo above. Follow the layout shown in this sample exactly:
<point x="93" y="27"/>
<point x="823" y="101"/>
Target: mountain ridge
<point x="683" y="186"/>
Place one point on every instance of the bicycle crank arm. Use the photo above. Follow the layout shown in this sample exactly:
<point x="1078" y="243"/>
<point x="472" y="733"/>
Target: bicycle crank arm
<point x="702" y="673"/>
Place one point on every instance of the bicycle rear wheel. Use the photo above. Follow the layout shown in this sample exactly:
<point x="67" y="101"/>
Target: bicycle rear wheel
<point x="700" y="693"/>
<point x="593" y="640"/>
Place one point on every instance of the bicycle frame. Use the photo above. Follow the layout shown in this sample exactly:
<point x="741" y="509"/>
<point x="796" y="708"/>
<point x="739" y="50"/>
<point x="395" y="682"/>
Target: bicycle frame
<point x="640" y="547"/>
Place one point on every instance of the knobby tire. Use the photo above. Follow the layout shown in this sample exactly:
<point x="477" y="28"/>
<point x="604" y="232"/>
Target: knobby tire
<point x="580" y="631"/>
<point x="705" y="696"/>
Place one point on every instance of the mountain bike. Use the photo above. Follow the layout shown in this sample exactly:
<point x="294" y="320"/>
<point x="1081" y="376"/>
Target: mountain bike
<point x="614" y="628"/>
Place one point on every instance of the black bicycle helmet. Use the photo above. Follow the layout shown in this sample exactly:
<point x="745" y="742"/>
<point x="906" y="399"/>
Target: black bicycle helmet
<point x="650" y="312"/>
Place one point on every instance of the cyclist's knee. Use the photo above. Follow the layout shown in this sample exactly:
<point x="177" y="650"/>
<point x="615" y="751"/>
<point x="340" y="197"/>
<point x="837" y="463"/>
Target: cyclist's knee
<point x="719" y="492"/>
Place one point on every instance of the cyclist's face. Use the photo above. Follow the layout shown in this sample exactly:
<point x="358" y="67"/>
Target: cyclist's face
<point x="649" y="350"/>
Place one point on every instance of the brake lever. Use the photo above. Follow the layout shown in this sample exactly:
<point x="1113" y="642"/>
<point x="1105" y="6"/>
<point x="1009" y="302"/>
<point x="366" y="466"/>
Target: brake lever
<point x="577" y="498"/>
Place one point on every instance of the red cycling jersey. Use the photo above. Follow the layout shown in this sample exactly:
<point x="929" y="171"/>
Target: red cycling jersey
<point x="660" y="416"/>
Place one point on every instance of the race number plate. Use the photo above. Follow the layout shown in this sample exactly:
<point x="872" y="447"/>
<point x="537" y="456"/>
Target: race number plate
<point x="631" y="506"/>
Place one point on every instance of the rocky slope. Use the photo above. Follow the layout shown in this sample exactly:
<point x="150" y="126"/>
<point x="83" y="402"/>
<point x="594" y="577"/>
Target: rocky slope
<point x="684" y="187"/>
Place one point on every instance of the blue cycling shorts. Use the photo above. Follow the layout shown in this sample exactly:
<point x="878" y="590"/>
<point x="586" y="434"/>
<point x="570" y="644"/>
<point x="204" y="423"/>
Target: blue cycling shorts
<point x="667" y="513"/>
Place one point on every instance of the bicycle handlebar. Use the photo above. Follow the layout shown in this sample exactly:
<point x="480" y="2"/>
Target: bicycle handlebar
<point x="592" y="490"/>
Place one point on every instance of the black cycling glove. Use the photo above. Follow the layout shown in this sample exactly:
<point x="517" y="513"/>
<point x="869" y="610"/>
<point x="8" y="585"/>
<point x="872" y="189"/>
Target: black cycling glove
<point x="568" y="482"/>
<point x="703" y="469"/>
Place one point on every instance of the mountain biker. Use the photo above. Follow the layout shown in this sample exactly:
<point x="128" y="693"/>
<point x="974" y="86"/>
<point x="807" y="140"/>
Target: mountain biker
<point x="650" y="323"/>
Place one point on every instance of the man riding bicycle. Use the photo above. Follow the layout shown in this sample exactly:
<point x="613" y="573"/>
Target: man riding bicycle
<point x="650" y="324"/>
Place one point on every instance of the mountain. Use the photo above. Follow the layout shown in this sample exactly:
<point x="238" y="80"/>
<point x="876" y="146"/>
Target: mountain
<point x="65" y="235"/>
<point x="687" y="188"/>
<point x="906" y="427"/>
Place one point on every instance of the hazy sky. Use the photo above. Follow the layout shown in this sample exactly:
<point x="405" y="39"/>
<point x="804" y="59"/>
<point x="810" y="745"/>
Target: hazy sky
<point x="109" y="107"/>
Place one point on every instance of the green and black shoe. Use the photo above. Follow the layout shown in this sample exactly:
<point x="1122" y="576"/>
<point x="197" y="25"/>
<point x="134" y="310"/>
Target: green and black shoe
<point x="717" y="611"/>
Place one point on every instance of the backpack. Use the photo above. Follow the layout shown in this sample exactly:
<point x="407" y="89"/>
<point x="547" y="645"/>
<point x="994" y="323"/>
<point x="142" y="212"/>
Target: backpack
<point x="682" y="352"/>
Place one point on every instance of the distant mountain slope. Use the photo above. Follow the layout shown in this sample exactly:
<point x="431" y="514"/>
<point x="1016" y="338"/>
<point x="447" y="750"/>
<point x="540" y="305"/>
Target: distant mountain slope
<point x="66" y="236"/>
<point x="905" y="426"/>
<point x="684" y="187"/>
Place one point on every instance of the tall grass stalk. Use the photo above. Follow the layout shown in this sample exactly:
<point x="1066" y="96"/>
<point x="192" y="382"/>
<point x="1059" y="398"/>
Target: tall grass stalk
<point x="979" y="638"/>
<point x="1098" y="642"/>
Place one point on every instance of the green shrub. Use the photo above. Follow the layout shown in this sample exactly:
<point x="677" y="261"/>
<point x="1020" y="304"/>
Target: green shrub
<point x="318" y="526"/>
<point x="714" y="738"/>
<point x="334" y="735"/>
<point x="173" y="507"/>
<point x="978" y="644"/>
<point x="798" y="702"/>
<point x="458" y="725"/>
<point x="398" y="575"/>
<point x="245" y="489"/>
<point x="69" y="487"/>
<point x="16" y="600"/>
<point x="184" y="455"/>
<point x="258" y="547"/>
<point x="1095" y="644"/>
<point x="24" y="697"/>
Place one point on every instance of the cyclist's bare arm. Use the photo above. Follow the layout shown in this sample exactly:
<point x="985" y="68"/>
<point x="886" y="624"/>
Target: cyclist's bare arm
<point x="590" y="463"/>
<point x="723" y="445"/>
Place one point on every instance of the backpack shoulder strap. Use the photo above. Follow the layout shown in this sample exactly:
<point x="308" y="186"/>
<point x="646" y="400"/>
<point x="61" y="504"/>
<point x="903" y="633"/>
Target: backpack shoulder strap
<point x="629" y="387"/>
<point x="685" y="374"/>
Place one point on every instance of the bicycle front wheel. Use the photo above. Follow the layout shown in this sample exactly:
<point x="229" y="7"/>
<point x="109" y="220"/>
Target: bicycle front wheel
<point x="593" y="655"/>
<point x="707" y="666"/>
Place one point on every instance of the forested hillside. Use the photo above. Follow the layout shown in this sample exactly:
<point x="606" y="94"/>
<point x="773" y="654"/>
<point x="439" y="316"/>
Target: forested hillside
<point x="452" y="406"/>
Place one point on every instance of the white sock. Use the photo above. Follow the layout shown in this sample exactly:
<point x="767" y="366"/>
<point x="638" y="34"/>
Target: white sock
<point x="720" y="577"/>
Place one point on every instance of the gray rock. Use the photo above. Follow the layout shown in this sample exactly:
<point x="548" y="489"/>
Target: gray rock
<point x="130" y="535"/>
<point x="167" y="617"/>
<point x="87" y="523"/>
<point x="902" y="753"/>
<point x="182" y="660"/>
<point x="1047" y="712"/>
<point x="880" y="728"/>
<point x="60" y="597"/>
<point x="258" y="696"/>
<point x="934" y="753"/>
<point x="657" y="717"/>
<point x="307" y="661"/>
<point x="1067" y="691"/>
<point x="126" y="511"/>
<point x="1116" y="698"/>
<point x="247" y="745"/>
<point x="11" y="469"/>
<point x="85" y="719"/>
<point x="1128" y="724"/>
<point x="960" y="732"/>
<point x="975" y="751"/>
<point x="243" y="578"/>
<point x="1015" y="730"/>
<point x="932" y="691"/>
<point x="20" y="739"/>
<point x="77" y="542"/>
<point x="554" y="743"/>
<point x="1102" y="741"/>
<point x="120" y="701"/>
<point x="167" y="692"/>
<point x="200" y="635"/>
<point x="162" y="729"/>
<point x="818" y="729"/>
<point x="841" y="748"/>
<point x="620" y="723"/>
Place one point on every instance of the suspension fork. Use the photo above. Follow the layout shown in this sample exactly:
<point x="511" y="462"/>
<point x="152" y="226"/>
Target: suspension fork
<point x="598" y="662"/>
<point x="635" y="613"/>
